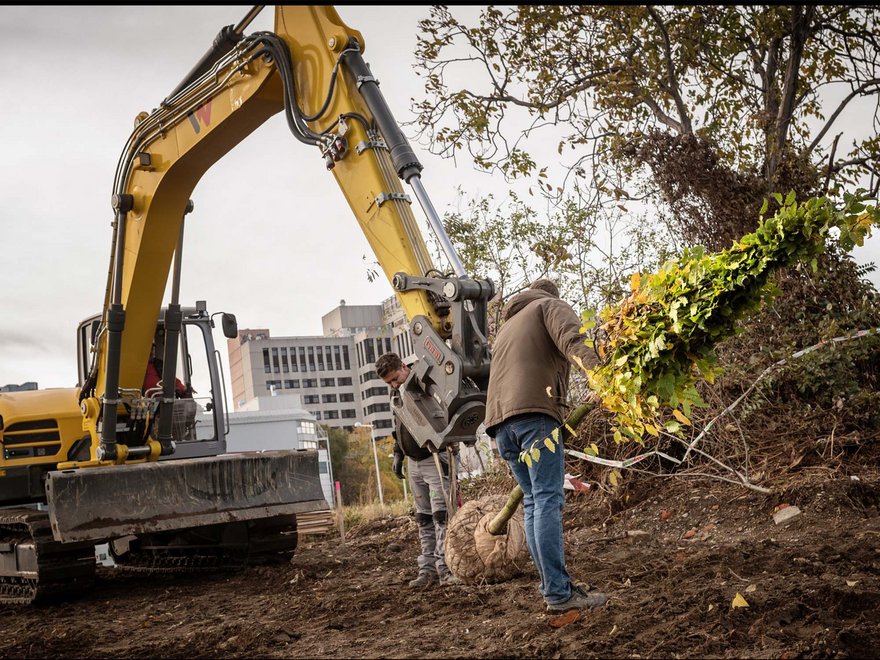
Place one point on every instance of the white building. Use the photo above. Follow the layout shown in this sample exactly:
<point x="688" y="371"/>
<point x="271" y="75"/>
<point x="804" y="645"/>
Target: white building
<point x="334" y="373"/>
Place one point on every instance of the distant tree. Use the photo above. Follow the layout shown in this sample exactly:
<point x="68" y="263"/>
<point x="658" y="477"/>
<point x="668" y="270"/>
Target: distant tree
<point x="350" y="466"/>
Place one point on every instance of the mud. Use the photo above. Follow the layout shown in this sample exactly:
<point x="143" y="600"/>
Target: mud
<point x="672" y="555"/>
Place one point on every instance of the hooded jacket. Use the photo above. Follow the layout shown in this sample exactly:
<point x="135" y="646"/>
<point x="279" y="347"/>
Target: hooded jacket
<point x="531" y="358"/>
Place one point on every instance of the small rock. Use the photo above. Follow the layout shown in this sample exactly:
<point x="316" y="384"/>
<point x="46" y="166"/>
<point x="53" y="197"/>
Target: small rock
<point x="691" y="533"/>
<point x="394" y="547"/>
<point x="785" y="514"/>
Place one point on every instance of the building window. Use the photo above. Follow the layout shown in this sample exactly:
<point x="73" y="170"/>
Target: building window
<point x="346" y="396"/>
<point x="311" y="399"/>
<point x="275" y="362"/>
<point x="370" y="352"/>
<point x="331" y="414"/>
<point x="284" y="367"/>
<point x="273" y="383"/>
<point x="328" y="382"/>
<point x="306" y="427"/>
<point x="338" y="357"/>
<point x="310" y="382"/>
<point x="345" y="357"/>
<point x="378" y="407"/>
<point x="349" y="414"/>
<point x="320" y="358"/>
<point x="293" y="365"/>
<point x="267" y="365"/>
<point x="302" y="359"/>
<point x="318" y="414"/>
<point x="343" y="381"/>
<point x="311" y="350"/>
<point x="382" y="424"/>
<point x="291" y="384"/>
<point x="376" y="391"/>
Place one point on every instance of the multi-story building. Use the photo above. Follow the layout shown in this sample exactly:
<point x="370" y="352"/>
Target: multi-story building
<point x="334" y="373"/>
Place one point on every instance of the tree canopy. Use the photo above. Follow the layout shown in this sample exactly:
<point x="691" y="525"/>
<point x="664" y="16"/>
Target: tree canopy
<point x="722" y="104"/>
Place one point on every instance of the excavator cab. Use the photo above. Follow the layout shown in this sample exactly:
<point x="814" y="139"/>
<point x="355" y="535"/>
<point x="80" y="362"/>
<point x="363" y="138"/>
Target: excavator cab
<point x="199" y="425"/>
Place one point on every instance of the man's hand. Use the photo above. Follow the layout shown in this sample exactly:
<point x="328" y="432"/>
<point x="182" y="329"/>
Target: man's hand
<point x="397" y="465"/>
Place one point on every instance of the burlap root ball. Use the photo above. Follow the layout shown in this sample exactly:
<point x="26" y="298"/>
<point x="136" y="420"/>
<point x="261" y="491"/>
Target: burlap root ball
<point x="474" y="555"/>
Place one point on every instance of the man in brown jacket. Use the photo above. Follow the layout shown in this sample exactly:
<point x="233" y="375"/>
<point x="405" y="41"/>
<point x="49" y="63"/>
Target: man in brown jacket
<point x="528" y="384"/>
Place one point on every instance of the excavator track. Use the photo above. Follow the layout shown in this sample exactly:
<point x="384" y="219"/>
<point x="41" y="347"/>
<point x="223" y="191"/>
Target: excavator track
<point x="222" y="547"/>
<point x="34" y="567"/>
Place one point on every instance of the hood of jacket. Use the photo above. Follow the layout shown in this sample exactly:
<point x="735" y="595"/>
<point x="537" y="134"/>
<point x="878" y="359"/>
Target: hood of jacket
<point x="521" y="299"/>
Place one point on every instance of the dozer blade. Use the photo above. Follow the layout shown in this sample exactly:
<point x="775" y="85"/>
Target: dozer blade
<point x="105" y="502"/>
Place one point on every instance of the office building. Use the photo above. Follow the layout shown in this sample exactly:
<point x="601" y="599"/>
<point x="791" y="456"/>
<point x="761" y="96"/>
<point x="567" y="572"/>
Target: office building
<point x="334" y="373"/>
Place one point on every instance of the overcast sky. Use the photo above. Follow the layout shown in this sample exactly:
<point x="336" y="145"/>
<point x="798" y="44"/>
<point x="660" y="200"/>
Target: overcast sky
<point x="271" y="240"/>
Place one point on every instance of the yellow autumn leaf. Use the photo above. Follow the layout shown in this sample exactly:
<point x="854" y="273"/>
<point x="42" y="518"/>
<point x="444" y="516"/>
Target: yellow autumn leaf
<point x="739" y="601"/>
<point x="650" y="428"/>
<point x="570" y="430"/>
<point x="555" y="434"/>
<point x="613" y="478"/>
<point x="680" y="416"/>
<point x="549" y="444"/>
<point x="535" y="452"/>
<point x="635" y="281"/>
<point x="578" y="362"/>
<point x="526" y="459"/>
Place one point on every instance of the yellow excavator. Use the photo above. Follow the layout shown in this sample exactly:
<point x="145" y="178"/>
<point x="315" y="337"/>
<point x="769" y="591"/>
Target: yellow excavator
<point x="107" y="462"/>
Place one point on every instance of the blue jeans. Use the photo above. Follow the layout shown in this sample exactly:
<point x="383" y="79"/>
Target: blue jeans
<point x="543" y="497"/>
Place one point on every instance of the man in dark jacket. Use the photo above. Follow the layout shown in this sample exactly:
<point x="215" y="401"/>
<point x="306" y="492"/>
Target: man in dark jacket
<point x="528" y="385"/>
<point x="429" y="486"/>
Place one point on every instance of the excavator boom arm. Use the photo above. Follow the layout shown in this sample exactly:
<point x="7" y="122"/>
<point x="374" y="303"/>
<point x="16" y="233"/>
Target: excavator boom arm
<point x="310" y="68"/>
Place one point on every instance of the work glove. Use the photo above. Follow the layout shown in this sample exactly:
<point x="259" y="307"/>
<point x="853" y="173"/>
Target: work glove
<point x="397" y="465"/>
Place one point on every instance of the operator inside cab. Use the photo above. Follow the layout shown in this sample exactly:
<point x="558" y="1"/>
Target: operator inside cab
<point x="154" y="375"/>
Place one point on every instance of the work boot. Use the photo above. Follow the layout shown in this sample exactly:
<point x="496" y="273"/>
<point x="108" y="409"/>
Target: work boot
<point x="425" y="579"/>
<point x="579" y="600"/>
<point x="448" y="579"/>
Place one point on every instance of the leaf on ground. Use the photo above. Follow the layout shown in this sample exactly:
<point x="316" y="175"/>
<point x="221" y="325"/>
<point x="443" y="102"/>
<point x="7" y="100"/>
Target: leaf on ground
<point x="739" y="601"/>
<point x="565" y="619"/>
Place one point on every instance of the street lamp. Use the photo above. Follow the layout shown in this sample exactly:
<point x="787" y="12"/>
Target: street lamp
<point x="375" y="459"/>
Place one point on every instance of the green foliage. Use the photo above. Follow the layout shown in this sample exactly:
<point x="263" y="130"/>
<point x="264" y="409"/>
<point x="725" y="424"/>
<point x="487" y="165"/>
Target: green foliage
<point x="351" y="455"/>
<point x="661" y="339"/>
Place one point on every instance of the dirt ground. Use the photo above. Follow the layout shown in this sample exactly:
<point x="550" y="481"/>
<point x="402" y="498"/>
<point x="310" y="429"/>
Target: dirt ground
<point x="672" y="555"/>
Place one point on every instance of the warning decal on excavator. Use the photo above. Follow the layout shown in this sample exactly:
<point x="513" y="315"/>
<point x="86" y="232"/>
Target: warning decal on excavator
<point x="433" y="350"/>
